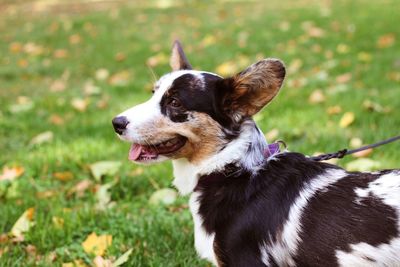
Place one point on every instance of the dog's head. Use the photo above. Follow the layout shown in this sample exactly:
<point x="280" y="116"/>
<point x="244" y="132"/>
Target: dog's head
<point x="194" y="114"/>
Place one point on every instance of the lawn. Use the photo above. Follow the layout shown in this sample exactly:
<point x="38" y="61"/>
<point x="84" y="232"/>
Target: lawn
<point x="67" y="69"/>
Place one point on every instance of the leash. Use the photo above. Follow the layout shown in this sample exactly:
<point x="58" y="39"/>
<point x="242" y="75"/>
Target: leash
<point x="344" y="152"/>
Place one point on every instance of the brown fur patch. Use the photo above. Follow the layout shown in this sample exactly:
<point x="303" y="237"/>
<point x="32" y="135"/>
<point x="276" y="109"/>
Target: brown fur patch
<point x="205" y="136"/>
<point x="255" y="87"/>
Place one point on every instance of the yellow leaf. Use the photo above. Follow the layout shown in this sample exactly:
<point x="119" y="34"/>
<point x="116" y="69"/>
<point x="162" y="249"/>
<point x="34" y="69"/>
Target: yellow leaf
<point x="334" y="110"/>
<point x="227" y="68"/>
<point x="10" y="174"/>
<point x="24" y="223"/>
<point x="63" y="176"/>
<point x="96" y="245"/>
<point x="347" y="119"/>
<point x="58" y="222"/>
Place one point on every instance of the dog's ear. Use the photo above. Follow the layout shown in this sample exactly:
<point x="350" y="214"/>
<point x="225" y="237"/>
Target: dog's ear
<point x="178" y="60"/>
<point x="249" y="91"/>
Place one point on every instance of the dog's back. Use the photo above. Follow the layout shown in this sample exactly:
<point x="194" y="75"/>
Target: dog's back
<point x="298" y="212"/>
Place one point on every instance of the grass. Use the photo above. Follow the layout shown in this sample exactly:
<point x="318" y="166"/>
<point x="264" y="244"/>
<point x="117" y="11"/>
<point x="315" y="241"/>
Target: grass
<point x="348" y="50"/>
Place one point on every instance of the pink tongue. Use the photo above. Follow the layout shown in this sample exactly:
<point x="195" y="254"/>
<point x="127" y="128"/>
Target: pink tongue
<point x="135" y="151"/>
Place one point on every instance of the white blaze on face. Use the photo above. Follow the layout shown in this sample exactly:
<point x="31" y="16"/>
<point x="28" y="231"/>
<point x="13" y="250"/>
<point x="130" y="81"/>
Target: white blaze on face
<point x="149" y="112"/>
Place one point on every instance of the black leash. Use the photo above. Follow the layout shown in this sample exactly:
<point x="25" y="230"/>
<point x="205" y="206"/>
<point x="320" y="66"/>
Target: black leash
<point x="344" y="152"/>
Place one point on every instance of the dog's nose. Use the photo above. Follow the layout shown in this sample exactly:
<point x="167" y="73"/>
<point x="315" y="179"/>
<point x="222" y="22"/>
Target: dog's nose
<point x="120" y="124"/>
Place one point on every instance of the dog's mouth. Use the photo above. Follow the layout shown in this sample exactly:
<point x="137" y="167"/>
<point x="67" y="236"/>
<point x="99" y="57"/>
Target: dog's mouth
<point x="149" y="152"/>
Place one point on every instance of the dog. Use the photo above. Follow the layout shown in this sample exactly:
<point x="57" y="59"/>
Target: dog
<point x="251" y="208"/>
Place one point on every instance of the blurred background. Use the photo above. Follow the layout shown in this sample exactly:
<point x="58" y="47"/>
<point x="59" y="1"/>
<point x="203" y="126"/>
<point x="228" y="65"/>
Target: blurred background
<point x="69" y="196"/>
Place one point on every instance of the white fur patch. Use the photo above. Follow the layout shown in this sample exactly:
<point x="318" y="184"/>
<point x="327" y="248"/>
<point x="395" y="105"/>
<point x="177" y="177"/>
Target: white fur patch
<point x="365" y="255"/>
<point x="386" y="188"/>
<point x="203" y="242"/>
<point x="284" y="250"/>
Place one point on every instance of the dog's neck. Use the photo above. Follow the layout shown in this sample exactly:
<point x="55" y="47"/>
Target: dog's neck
<point x="246" y="151"/>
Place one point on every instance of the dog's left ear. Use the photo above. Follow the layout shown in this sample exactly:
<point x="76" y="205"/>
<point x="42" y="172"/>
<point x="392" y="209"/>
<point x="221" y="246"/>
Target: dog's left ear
<point x="249" y="91"/>
<point x="178" y="60"/>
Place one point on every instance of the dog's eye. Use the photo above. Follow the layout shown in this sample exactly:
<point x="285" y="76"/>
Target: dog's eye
<point x="174" y="103"/>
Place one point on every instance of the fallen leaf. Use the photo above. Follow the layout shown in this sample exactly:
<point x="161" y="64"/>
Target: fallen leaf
<point x="23" y="104"/>
<point x="63" y="176"/>
<point x="315" y="32"/>
<point x="80" y="188"/>
<point x="58" y="222"/>
<point x="58" y="85"/>
<point x="227" y="68"/>
<point x="120" y="56"/>
<point x="33" y="49"/>
<point x="15" y="47"/>
<point x="347" y="119"/>
<point x="165" y="196"/>
<point x="103" y="196"/>
<point x="364" y="57"/>
<point x="11" y="173"/>
<point x="46" y="194"/>
<point x="103" y="168"/>
<point x="97" y="245"/>
<point x="342" y="48"/>
<point x="121" y="78"/>
<point x="124" y="258"/>
<point x="344" y="78"/>
<point x="272" y="135"/>
<point x="334" y="110"/>
<point x="56" y="119"/>
<point x="42" y="138"/>
<point x="208" y="40"/>
<point x="90" y="89"/>
<point x="80" y="104"/>
<point x="317" y="97"/>
<point x="355" y="142"/>
<point x="75" y="263"/>
<point x="157" y="59"/>
<point x="102" y="74"/>
<point x="31" y="250"/>
<point x="386" y="40"/>
<point x="363" y="153"/>
<point x="24" y="223"/>
<point x="99" y="261"/>
<point x="23" y="63"/>
<point x="295" y="65"/>
<point x="363" y="165"/>
<point x="60" y="53"/>
<point x="137" y="171"/>
<point x="74" y="39"/>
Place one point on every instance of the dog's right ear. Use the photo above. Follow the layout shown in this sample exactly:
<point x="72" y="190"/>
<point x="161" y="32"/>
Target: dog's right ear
<point x="178" y="60"/>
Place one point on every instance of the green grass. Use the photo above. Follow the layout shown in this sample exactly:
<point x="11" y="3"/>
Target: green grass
<point x="212" y="33"/>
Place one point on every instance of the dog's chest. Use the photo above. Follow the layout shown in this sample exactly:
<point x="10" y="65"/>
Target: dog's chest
<point x="203" y="241"/>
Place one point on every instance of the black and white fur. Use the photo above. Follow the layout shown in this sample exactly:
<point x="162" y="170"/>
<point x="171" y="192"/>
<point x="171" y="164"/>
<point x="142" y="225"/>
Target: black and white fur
<point x="249" y="210"/>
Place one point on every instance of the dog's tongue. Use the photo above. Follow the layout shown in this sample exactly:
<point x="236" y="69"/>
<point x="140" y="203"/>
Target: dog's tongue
<point x="135" y="151"/>
<point x="143" y="152"/>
